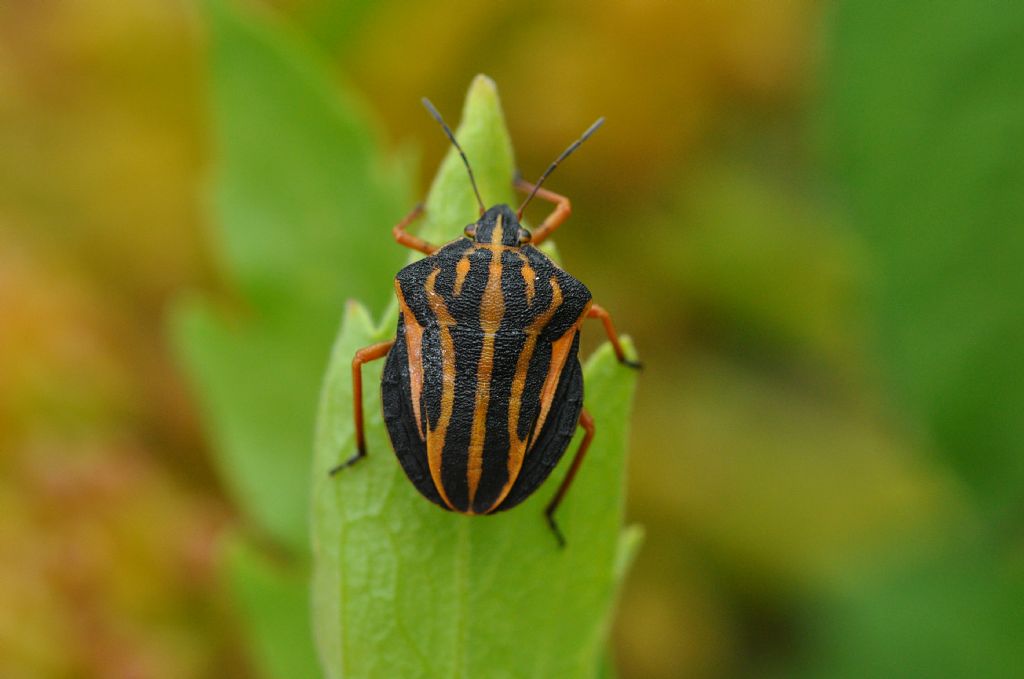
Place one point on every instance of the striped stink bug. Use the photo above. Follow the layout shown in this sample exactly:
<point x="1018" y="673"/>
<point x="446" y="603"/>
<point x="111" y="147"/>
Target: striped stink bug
<point x="482" y="388"/>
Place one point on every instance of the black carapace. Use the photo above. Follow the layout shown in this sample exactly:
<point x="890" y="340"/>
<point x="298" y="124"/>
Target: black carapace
<point x="482" y="388"/>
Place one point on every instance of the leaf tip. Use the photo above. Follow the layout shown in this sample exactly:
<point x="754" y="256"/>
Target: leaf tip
<point x="485" y="138"/>
<point x="628" y="345"/>
<point x="630" y="540"/>
<point x="356" y="312"/>
<point x="483" y="104"/>
<point x="483" y="85"/>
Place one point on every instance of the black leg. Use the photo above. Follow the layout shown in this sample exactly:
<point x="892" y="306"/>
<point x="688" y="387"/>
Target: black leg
<point x="587" y="422"/>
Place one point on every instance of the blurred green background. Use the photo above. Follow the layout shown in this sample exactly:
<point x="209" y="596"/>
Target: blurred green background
<point x="809" y="215"/>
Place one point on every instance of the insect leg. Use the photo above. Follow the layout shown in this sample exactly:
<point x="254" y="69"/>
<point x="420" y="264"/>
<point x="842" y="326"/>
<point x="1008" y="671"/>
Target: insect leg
<point x="587" y="422"/>
<point x="563" y="208"/>
<point x="598" y="311"/>
<point x="364" y="355"/>
<point x="405" y="238"/>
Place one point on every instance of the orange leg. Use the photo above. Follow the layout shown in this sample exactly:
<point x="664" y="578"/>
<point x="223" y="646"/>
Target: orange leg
<point x="364" y="355"/>
<point x="563" y="208"/>
<point x="598" y="311"/>
<point x="405" y="238"/>
<point x="587" y="422"/>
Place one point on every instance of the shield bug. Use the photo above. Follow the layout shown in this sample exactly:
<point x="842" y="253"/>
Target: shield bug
<point x="482" y="388"/>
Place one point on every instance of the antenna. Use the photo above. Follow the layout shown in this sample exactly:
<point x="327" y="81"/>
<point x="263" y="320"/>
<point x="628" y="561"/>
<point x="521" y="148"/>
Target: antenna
<point x="551" y="168"/>
<point x="448" y="131"/>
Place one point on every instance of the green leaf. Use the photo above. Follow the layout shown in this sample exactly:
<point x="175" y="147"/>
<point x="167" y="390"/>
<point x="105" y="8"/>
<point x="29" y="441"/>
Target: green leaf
<point x="302" y="201"/>
<point x="955" y="616"/>
<point x="253" y="379"/>
<point x="927" y="110"/>
<point x="273" y="605"/>
<point x="484" y="137"/>
<point x="334" y="23"/>
<point x="404" y="589"/>
<point x="302" y="197"/>
<point x="302" y="204"/>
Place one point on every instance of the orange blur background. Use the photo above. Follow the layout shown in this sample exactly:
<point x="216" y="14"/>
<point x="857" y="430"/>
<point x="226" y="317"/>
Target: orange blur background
<point x="781" y="480"/>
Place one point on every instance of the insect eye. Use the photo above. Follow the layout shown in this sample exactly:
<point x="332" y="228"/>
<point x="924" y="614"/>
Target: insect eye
<point x="524" y="236"/>
<point x="470" y="231"/>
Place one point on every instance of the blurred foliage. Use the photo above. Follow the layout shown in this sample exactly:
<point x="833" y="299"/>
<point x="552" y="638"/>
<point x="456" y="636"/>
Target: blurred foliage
<point x="107" y="558"/>
<point x="478" y="591"/>
<point x="935" y="189"/>
<point x="299" y="190"/>
<point x="826" y="448"/>
<point x="955" y="616"/>
<point x="298" y="194"/>
<point x="275" y="610"/>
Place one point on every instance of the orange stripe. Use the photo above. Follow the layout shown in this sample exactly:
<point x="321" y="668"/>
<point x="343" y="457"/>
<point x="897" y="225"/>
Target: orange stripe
<point x="492" y="310"/>
<point x="461" y="271"/>
<point x="436" y="437"/>
<point x="414" y="352"/>
<point x="517" y="446"/>
<point x="529" y="276"/>
<point x="559" y="352"/>
<point x="498" y="231"/>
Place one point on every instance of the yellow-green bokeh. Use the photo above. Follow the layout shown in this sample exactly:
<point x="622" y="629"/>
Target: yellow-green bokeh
<point x="795" y="442"/>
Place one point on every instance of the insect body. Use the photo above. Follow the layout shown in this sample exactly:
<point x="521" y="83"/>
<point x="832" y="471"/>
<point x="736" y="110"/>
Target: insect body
<point x="482" y="388"/>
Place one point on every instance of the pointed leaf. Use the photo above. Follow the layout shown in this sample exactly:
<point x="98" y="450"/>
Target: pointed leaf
<point x="929" y="133"/>
<point x="403" y="588"/>
<point x="272" y="604"/>
<point x="302" y="207"/>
